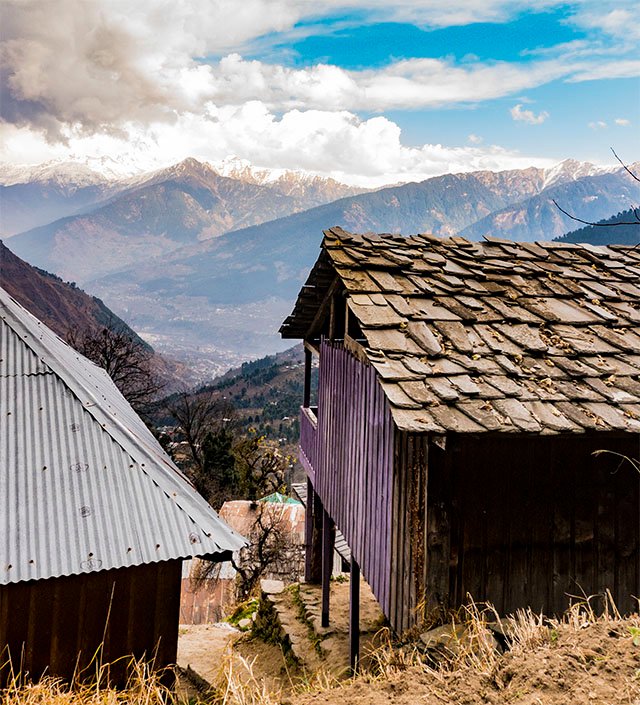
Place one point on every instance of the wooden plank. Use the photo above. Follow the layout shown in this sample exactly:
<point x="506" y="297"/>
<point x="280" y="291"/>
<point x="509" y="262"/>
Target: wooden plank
<point x="308" y="531"/>
<point x="328" y="541"/>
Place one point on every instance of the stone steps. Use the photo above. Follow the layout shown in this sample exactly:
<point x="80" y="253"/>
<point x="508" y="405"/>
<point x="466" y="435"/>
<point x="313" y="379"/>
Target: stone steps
<point x="293" y="615"/>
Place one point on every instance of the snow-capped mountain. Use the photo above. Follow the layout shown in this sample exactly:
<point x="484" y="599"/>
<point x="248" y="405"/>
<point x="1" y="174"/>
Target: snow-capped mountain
<point x="223" y="248"/>
<point x="65" y="175"/>
<point x="571" y="170"/>
<point x="34" y="196"/>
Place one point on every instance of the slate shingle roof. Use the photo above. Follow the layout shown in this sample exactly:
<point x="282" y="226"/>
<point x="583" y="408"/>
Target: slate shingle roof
<point x="491" y="336"/>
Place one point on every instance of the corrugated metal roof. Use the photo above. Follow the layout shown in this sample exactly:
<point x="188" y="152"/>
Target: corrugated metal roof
<point x="84" y="485"/>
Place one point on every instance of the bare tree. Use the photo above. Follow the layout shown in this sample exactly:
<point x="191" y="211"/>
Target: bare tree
<point x="200" y="414"/>
<point x="261" y="466"/>
<point x="272" y="550"/>
<point x="126" y="359"/>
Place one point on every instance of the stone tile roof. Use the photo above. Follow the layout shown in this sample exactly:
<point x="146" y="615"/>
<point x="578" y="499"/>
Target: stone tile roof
<point x="491" y="336"/>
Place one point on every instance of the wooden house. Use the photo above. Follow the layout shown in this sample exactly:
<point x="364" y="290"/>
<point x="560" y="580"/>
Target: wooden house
<point x="466" y="391"/>
<point x="95" y="519"/>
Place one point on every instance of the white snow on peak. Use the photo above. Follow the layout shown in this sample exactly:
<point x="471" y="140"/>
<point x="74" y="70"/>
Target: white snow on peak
<point x="571" y="170"/>
<point x="65" y="175"/>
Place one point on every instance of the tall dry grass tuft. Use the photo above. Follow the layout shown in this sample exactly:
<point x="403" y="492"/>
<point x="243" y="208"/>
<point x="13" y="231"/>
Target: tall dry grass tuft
<point x="473" y="630"/>
<point x="143" y="688"/>
<point x="237" y="684"/>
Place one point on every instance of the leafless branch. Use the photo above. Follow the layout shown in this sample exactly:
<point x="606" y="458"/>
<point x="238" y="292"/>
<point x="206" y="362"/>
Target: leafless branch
<point x="199" y="414"/>
<point x="636" y="211"/>
<point x="599" y="225"/>
<point x="126" y="360"/>
<point x="624" y="166"/>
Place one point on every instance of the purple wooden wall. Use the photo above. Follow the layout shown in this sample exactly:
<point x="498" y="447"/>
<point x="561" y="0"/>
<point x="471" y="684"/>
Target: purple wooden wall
<point x="308" y="441"/>
<point x="354" y="461"/>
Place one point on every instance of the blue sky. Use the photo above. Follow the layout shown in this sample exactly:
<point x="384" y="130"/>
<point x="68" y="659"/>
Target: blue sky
<point x="368" y="92"/>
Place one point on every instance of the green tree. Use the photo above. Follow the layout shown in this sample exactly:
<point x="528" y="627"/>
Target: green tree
<point x="218" y="480"/>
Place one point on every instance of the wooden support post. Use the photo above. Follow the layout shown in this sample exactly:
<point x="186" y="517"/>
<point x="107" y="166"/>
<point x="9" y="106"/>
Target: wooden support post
<point x="332" y="317"/>
<point x="306" y="399"/>
<point x="315" y="574"/>
<point x="328" y="542"/>
<point x="308" y="533"/>
<point x="354" y="617"/>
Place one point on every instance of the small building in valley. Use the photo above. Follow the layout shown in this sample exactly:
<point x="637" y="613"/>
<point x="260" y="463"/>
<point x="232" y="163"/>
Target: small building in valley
<point x="95" y="519"/>
<point x="476" y="405"/>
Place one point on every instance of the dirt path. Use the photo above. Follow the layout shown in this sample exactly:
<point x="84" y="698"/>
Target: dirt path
<point x="209" y="649"/>
<point x="204" y="647"/>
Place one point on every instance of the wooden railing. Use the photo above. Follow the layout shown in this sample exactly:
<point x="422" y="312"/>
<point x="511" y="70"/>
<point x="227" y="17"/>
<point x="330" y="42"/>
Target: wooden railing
<point x="308" y="439"/>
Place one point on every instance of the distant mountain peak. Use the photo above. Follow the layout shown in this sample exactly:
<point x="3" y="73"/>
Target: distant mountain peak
<point x="571" y="170"/>
<point x="67" y="175"/>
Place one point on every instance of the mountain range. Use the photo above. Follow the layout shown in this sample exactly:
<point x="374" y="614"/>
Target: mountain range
<point x="63" y="202"/>
<point x="205" y="262"/>
<point x="69" y="311"/>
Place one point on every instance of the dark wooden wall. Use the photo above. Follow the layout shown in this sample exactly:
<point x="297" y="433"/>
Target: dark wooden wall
<point x="408" y="535"/>
<point x="354" y="461"/>
<point x="515" y="520"/>
<point x="50" y="625"/>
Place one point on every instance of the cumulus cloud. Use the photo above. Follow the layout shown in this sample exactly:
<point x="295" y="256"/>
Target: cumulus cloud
<point x="622" y="122"/>
<point x="474" y="139"/>
<point x="521" y="115"/>
<point x="97" y="66"/>
<point x="336" y="143"/>
<point x="598" y="125"/>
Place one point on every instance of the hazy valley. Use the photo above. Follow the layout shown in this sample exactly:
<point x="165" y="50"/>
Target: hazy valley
<point x="205" y="262"/>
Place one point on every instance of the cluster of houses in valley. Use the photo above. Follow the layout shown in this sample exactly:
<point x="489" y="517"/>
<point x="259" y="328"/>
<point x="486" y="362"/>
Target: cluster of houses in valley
<point x="478" y="412"/>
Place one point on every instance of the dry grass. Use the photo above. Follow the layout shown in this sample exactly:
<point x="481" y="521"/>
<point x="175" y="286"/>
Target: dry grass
<point x="474" y="645"/>
<point x="473" y="649"/>
<point x="143" y="688"/>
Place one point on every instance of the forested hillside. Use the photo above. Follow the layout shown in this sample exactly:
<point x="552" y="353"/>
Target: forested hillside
<point x="627" y="234"/>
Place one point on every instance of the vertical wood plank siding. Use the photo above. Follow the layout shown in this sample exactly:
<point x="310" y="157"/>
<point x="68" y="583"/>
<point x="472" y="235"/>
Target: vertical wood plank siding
<point x="58" y="624"/>
<point x="308" y="441"/>
<point x="514" y="520"/>
<point x="354" y="461"/>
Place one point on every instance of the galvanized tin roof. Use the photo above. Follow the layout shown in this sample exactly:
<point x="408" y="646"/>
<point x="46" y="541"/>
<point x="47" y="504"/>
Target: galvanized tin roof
<point x="84" y="485"/>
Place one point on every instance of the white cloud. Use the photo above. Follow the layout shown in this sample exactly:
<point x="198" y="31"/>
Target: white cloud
<point x="475" y="139"/>
<point x="622" y="122"/>
<point x="162" y="81"/>
<point x="97" y="66"/>
<point x="629" y="68"/>
<point x="598" y="125"/>
<point x="622" y="22"/>
<point x="528" y="116"/>
<point x="337" y="144"/>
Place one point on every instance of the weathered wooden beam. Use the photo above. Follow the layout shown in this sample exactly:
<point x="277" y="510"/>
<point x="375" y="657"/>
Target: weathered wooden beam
<point x="323" y="309"/>
<point x="306" y="397"/>
<point x="356" y="349"/>
<point x="328" y="542"/>
<point x="354" y="617"/>
<point x="313" y="345"/>
<point x="308" y="532"/>
<point x="315" y="575"/>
